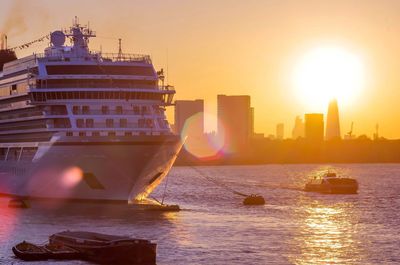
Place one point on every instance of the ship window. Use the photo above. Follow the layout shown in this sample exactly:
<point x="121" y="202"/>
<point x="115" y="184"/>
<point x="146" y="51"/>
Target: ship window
<point x="75" y="109"/>
<point x="79" y="123"/>
<point x="118" y="110"/>
<point x="149" y="123"/>
<point x="109" y="123"/>
<point x="123" y="123"/>
<point x="69" y="133"/>
<point x="89" y="123"/>
<point x="144" y="110"/>
<point x="104" y="109"/>
<point x="111" y="134"/>
<point x="95" y="134"/>
<point x="13" y="154"/>
<point x="82" y="133"/>
<point x="136" y="110"/>
<point x="98" y="70"/>
<point x="3" y="153"/>
<point x="62" y="123"/>
<point x="85" y="109"/>
<point x="28" y="153"/>
<point x="141" y="123"/>
<point x="14" y="89"/>
<point x="128" y="133"/>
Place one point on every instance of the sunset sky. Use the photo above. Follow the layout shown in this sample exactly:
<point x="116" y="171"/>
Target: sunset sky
<point x="241" y="47"/>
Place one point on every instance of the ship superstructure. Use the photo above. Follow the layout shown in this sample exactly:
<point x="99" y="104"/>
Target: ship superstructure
<point x="77" y="124"/>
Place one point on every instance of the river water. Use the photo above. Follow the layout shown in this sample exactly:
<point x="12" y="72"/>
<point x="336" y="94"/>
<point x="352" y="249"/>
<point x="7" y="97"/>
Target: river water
<point x="214" y="227"/>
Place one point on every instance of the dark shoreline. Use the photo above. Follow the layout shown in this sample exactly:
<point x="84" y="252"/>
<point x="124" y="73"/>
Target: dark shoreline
<point x="263" y="151"/>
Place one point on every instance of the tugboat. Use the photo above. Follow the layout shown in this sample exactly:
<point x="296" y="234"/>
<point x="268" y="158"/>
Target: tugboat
<point x="332" y="184"/>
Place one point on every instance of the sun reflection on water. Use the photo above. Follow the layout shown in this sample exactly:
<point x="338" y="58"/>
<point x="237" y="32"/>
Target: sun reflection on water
<point x="327" y="231"/>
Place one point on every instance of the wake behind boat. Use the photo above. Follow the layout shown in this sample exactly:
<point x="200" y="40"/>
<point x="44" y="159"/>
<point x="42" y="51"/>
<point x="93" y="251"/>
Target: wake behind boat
<point x="331" y="183"/>
<point x="76" y="124"/>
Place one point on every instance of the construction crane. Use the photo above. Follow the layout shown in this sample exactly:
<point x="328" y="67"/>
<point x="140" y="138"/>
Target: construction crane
<point x="350" y="133"/>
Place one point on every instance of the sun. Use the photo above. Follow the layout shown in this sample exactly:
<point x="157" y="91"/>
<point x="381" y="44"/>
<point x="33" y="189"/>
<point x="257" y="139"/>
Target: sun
<point x="327" y="73"/>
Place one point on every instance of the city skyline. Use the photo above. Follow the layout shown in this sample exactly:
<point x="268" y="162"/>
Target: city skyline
<point x="204" y="61"/>
<point x="192" y="108"/>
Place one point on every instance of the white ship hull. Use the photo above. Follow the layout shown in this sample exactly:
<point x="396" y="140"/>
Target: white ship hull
<point x="95" y="171"/>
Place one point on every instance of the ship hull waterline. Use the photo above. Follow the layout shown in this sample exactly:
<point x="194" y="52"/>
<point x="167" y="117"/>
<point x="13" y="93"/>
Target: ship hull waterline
<point x="106" y="172"/>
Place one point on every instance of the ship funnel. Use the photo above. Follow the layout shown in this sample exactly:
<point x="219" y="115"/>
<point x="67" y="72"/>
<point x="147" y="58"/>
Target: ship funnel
<point x="2" y="37"/>
<point x="6" y="55"/>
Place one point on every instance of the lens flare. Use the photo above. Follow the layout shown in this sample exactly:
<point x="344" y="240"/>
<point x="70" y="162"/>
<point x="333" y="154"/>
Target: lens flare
<point x="200" y="145"/>
<point x="71" y="176"/>
<point x="9" y="217"/>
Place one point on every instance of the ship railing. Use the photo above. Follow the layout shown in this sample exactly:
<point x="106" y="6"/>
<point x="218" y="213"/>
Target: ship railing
<point x="88" y="85"/>
<point x="167" y="88"/>
<point x="129" y="125"/>
<point x="94" y="55"/>
<point x="110" y="112"/>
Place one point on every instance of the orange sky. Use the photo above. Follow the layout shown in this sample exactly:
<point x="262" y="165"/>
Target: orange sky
<point x="240" y="47"/>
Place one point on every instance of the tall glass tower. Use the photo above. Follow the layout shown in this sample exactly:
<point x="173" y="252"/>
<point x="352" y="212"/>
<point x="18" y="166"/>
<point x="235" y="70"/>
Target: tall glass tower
<point x="332" y="121"/>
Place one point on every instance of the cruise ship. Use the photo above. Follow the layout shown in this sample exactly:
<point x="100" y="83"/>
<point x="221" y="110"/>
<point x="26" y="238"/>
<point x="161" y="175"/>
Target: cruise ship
<point x="82" y="125"/>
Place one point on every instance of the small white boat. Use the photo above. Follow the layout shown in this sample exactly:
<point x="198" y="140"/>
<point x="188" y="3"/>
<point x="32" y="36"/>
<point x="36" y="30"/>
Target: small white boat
<point x="332" y="184"/>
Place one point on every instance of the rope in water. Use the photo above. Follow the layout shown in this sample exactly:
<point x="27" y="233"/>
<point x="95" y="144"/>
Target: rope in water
<point x="219" y="183"/>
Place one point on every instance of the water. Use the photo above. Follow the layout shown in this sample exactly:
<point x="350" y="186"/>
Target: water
<point x="294" y="227"/>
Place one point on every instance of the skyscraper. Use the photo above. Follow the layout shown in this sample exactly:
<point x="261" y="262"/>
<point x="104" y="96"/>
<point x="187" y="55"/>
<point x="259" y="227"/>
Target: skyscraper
<point x="184" y="109"/>
<point x="280" y="131"/>
<point x="314" y="127"/>
<point x="298" y="130"/>
<point x="332" y="121"/>
<point x="235" y="121"/>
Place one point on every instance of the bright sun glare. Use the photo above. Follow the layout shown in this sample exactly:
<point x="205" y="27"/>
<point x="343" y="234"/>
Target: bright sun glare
<point x="326" y="73"/>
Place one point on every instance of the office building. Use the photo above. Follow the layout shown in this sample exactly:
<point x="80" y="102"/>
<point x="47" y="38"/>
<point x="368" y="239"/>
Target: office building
<point x="332" y="121"/>
<point x="280" y="131"/>
<point x="314" y="127"/>
<point x="235" y="121"/>
<point x="184" y="109"/>
<point x="298" y="129"/>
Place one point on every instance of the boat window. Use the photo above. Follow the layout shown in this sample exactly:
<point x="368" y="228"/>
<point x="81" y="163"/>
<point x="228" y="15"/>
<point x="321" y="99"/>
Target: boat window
<point x="99" y="70"/>
<point x="39" y="96"/>
<point x="13" y="154"/>
<point x="79" y="123"/>
<point x="123" y="123"/>
<point x="3" y="153"/>
<point x="118" y="109"/>
<point x="85" y="109"/>
<point x="109" y="123"/>
<point x="75" y="109"/>
<point x="89" y="123"/>
<point x="28" y="153"/>
<point x="104" y="109"/>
